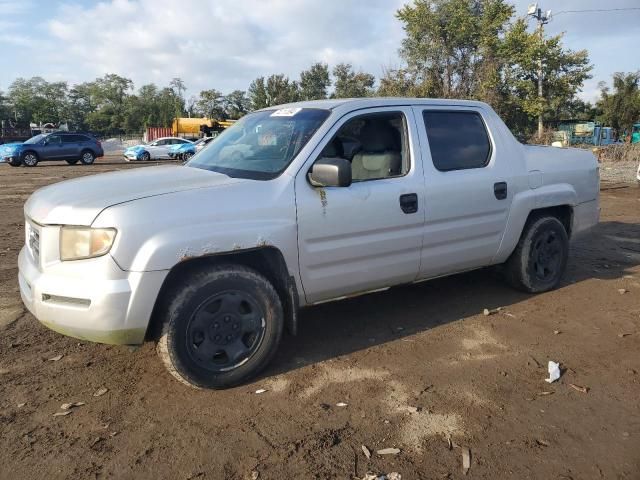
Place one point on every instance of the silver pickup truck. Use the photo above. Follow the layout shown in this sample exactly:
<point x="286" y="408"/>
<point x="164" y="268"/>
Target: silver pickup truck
<point x="290" y="207"/>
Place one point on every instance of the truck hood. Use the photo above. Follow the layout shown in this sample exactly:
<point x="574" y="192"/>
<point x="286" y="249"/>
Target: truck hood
<point x="79" y="201"/>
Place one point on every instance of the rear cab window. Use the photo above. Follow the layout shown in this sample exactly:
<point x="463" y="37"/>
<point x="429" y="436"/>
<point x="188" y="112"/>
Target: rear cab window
<point x="458" y="139"/>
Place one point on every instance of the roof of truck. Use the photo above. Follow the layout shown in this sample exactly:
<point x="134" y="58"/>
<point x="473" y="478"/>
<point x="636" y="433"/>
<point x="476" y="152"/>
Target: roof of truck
<point x="368" y="102"/>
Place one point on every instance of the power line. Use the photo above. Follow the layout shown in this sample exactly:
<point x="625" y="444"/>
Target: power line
<point x="598" y="10"/>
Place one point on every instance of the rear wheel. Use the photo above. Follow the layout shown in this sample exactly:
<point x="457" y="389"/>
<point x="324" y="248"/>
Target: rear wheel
<point x="87" y="157"/>
<point x="540" y="258"/>
<point x="221" y="327"/>
<point x="72" y="162"/>
<point x="30" y="159"/>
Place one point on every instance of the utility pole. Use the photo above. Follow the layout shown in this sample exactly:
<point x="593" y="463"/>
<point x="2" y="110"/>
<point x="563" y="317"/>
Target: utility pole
<point x="542" y="19"/>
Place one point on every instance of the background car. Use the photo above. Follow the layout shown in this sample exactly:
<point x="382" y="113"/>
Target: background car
<point x="71" y="147"/>
<point x="186" y="150"/>
<point x="156" y="150"/>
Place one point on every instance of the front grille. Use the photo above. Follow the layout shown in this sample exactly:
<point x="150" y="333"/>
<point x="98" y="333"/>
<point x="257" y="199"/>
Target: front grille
<point x="33" y="241"/>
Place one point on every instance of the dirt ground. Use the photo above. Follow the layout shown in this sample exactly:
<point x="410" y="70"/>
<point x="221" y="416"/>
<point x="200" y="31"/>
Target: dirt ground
<point x="415" y="366"/>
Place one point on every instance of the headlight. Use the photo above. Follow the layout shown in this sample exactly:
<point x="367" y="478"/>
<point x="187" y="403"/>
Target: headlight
<point x="77" y="243"/>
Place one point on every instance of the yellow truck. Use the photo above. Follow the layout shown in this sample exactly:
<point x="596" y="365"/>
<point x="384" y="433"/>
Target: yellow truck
<point x="194" y="127"/>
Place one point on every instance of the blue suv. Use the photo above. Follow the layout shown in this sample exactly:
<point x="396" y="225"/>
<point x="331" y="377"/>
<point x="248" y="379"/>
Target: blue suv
<point x="71" y="147"/>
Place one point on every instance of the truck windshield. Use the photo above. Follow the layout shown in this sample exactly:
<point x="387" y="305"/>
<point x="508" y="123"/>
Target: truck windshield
<point x="261" y="145"/>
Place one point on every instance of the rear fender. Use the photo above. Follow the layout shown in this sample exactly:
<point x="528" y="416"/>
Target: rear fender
<point x="523" y="204"/>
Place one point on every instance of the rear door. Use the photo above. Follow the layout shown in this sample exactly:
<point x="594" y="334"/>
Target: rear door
<point x="368" y="235"/>
<point x="71" y="145"/>
<point x="467" y="198"/>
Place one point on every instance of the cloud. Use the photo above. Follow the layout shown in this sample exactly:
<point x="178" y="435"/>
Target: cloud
<point x="223" y="45"/>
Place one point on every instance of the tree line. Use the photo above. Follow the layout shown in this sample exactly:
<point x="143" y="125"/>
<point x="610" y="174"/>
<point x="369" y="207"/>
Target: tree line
<point x="467" y="49"/>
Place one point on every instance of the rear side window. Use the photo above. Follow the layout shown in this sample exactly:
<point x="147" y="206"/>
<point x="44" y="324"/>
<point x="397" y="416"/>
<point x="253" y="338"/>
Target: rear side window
<point x="458" y="140"/>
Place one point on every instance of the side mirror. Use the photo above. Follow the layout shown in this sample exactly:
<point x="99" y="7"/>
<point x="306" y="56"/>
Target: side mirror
<point x="331" y="172"/>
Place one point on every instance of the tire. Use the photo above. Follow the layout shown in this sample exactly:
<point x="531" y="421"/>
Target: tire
<point x="72" y="162"/>
<point x="87" y="157"/>
<point x="145" y="157"/>
<point x="186" y="156"/>
<point x="30" y="159"/>
<point x="220" y="327"/>
<point x="540" y="258"/>
<point x="16" y="162"/>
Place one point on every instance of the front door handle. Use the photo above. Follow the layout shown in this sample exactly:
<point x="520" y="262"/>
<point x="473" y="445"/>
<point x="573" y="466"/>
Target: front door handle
<point x="409" y="202"/>
<point x="500" y="190"/>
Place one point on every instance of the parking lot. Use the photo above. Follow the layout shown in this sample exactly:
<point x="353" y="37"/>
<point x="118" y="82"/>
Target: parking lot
<point x="419" y="368"/>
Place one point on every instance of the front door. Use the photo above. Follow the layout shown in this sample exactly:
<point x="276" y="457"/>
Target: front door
<point x="469" y="188"/>
<point x="368" y="235"/>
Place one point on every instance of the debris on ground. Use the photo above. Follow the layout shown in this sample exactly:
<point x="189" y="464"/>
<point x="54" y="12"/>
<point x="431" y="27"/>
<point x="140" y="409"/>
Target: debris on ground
<point x="20" y="405"/>
<point x="466" y="459"/>
<point x="542" y="443"/>
<point x="554" y="372"/>
<point x="342" y="404"/>
<point x="622" y="335"/>
<point x="255" y="475"/>
<point x="449" y="442"/>
<point x="56" y="358"/>
<point x="556" y="332"/>
<point x="412" y="409"/>
<point x="542" y="394"/>
<point x="622" y="291"/>
<point x="488" y="311"/>
<point x="100" y="392"/>
<point x="366" y="451"/>
<point x="579" y="388"/>
<point x="62" y="414"/>
<point x="95" y="441"/>
<point x="387" y="476"/>
<point x="261" y="390"/>
<point x="388" y="451"/>
<point x="69" y="406"/>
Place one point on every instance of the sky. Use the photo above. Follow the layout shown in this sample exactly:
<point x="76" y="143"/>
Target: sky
<point x="225" y="44"/>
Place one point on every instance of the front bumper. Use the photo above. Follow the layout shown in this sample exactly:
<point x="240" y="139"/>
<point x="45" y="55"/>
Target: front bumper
<point x="131" y="156"/>
<point x="110" y="307"/>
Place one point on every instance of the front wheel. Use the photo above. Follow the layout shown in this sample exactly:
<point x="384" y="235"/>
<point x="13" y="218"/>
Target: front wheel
<point x="221" y="327"/>
<point x="145" y="156"/>
<point x="30" y="159"/>
<point x="186" y="156"/>
<point x="72" y="161"/>
<point x="15" y="162"/>
<point x="540" y="258"/>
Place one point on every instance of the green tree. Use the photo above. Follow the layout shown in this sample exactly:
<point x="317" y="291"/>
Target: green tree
<point x="257" y="94"/>
<point x="450" y="47"/>
<point x="563" y="73"/>
<point x="178" y="87"/>
<point x="36" y="100"/>
<point x="211" y="104"/>
<point x="80" y="105"/>
<point x="275" y="90"/>
<point x="621" y="108"/>
<point x="109" y="94"/>
<point x="236" y="104"/>
<point x="315" y="82"/>
<point x="350" y="84"/>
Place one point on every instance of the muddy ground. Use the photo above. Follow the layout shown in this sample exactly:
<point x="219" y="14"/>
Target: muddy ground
<point x="476" y="379"/>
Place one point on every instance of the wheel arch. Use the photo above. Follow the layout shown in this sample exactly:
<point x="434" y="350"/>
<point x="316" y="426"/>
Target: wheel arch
<point x="267" y="261"/>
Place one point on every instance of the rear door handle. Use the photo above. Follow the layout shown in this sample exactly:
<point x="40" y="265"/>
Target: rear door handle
<point x="409" y="202"/>
<point x="500" y="190"/>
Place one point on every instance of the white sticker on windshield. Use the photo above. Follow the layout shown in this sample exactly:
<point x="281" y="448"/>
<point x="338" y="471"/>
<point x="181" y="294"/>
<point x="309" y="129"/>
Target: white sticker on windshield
<point x="285" y="112"/>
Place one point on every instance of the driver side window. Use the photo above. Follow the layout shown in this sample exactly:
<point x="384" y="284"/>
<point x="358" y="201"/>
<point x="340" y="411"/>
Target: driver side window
<point x="375" y="144"/>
